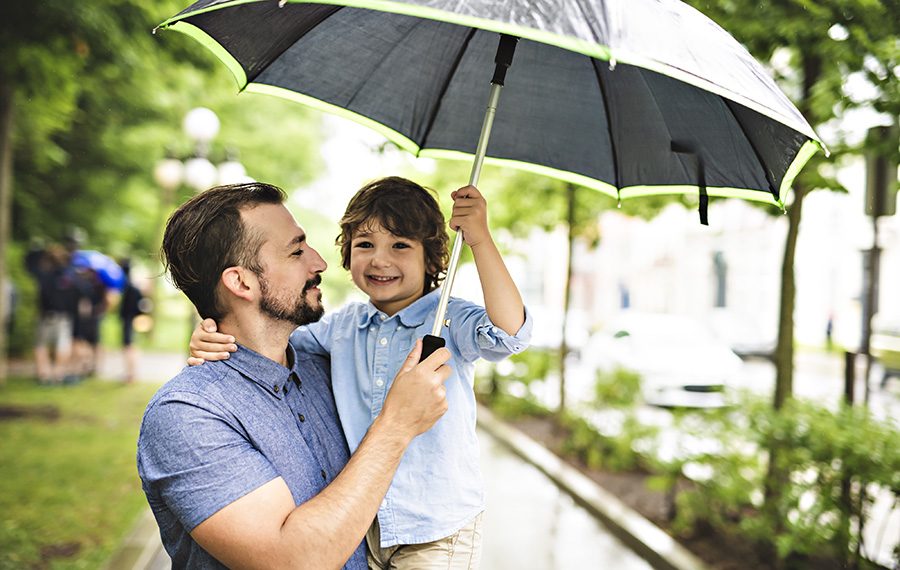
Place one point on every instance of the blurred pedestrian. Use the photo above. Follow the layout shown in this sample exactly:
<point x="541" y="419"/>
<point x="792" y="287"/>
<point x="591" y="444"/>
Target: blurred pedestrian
<point x="131" y="305"/>
<point x="56" y="298"/>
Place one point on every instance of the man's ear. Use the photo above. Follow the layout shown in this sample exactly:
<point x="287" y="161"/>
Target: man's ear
<point x="241" y="282"/>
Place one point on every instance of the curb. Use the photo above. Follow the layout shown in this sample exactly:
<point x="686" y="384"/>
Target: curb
<point x="139" y="550"/>
<point x="646" y="539"/>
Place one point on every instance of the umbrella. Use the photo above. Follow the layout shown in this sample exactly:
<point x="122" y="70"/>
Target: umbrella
<point x="630" y="97"/>
<point x="108" y="271"/>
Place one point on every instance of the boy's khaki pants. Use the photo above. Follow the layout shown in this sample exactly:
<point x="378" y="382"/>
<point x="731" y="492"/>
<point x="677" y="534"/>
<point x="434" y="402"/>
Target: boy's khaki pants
<point x="460" y="551"/>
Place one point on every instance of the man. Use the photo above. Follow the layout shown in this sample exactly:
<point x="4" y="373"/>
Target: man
<point x="243" y="461"/>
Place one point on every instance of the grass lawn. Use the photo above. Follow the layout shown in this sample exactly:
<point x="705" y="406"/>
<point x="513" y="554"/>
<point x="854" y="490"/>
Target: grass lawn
<point x="69" y="490"/>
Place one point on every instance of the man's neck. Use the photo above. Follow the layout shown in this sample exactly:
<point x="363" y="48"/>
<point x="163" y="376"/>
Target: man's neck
<point x="261" y="335"/>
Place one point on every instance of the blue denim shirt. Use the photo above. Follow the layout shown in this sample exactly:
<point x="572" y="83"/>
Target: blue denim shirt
<point x="437" y="488"/>
<point x="216" y="432"/>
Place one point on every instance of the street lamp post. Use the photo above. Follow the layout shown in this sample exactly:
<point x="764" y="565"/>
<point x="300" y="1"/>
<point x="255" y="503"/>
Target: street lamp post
<point x="201" y="125"/>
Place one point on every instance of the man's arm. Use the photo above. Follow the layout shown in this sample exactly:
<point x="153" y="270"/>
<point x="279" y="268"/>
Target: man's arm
<point x="264" y="529"/>
<point x="501" y="296"/>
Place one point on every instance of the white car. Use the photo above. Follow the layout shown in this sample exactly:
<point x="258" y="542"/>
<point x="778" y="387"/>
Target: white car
<point x="681" y="363"/>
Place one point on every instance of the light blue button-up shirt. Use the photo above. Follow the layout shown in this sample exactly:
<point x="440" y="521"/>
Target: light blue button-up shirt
<point x="437" y="488"/>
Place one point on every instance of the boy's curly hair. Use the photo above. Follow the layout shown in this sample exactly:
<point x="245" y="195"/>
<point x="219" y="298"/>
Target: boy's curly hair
<point x="405" y="209"/>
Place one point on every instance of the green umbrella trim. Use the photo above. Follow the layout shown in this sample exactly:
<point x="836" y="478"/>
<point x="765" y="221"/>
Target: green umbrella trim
<point x="216" y="48"/>
<point x="606" y="53"/>
<point x="410" y="146"/>
<point x="629" y="191"/>
<point x="395" y="137"/>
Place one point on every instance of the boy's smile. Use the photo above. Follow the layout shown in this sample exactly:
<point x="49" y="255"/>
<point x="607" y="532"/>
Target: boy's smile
<point x="389" y="269"/>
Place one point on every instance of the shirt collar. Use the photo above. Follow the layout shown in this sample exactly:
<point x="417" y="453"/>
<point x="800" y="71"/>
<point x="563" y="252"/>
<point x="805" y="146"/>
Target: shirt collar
<point x="411" y="316"/>
<point x="272" y="376"/>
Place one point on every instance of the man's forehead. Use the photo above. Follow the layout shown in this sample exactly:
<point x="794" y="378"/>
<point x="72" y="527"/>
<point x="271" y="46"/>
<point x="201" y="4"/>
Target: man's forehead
<point x="276" y="224"/>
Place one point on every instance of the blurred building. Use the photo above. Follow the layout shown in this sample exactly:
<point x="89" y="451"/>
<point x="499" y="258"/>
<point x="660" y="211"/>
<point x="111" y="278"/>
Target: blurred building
<point x="727" y="274"/>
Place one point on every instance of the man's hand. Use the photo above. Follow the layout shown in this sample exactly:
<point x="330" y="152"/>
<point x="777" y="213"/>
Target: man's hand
<point x="417" y="398"/>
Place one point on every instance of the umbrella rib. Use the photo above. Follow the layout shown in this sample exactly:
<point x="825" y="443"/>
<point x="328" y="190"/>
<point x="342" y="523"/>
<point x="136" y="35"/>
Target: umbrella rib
<point x="772" y="189"/>
<point x="446" y="85"/>
<point x="609" y="126"/>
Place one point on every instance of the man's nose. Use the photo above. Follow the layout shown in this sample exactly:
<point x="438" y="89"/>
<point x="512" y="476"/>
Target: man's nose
<point x="319" y="265"/>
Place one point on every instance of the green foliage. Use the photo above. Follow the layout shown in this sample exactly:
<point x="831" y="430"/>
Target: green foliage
<point x="511" y="379"/>
<point x="69" y="484"/>
<point x="100" y="99"/>
<point x="829" y="457"/>
<point x="619" y="389"/>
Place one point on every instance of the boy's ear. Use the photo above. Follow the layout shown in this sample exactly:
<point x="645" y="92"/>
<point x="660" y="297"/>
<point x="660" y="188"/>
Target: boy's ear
<point x="241" y="282"/>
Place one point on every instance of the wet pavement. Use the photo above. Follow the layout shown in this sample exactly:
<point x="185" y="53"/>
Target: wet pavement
<point x="531" y="523"/>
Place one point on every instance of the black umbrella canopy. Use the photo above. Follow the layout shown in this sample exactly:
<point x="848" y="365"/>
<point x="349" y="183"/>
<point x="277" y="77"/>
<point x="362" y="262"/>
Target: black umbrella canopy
<point x="630" y="97"/>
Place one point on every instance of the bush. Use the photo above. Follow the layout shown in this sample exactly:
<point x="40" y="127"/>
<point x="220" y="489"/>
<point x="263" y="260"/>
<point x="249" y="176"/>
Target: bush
<point x="835" y="461"/>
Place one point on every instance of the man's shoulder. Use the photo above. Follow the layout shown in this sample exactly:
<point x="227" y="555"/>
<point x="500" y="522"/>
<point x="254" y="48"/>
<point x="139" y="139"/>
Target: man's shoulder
<point x="194" y="380"/>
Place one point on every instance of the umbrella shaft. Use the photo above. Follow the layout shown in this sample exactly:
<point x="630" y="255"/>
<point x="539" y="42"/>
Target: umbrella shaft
<point x="480" y="152"/>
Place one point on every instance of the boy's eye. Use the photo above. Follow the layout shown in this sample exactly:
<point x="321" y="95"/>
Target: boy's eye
<point x="363" y="244"/>
<point x="401" y="245"/>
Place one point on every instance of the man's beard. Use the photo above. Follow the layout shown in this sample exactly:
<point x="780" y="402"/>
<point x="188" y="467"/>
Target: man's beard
<point x="302" y="312"/>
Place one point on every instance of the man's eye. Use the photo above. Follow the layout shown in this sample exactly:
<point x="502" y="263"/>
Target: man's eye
<point x="298" y="253"/>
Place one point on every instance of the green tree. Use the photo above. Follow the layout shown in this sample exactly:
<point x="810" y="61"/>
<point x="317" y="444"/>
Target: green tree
<point x="825" y="42"/>
<point x="90" y="100"/>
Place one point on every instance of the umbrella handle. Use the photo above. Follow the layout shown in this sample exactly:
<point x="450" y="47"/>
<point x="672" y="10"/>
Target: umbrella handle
<point x="503" y="60"/>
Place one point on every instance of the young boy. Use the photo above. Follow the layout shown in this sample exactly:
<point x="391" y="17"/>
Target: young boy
<point x="394" y="243"/>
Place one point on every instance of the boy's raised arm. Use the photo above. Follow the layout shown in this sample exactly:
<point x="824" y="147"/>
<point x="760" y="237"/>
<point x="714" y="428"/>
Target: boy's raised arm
<point x="501" y="296"/>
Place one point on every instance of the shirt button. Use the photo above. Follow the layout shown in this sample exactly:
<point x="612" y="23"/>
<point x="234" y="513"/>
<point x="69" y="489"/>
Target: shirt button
<point x="379" y="383"/>
<point x="494" y="330"/>
<point x="372" y="329"/>
<point x="302" y="417"/>
<point x="276" y="388"/>
<point x="399" y="327"/>
<point x="382" y="317"/>
<point x="383" y="341"/>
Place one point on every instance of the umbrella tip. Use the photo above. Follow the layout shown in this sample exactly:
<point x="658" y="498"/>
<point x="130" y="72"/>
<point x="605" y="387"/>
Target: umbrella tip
<point x="281" y="3"/>
<point x="612" y="64"/>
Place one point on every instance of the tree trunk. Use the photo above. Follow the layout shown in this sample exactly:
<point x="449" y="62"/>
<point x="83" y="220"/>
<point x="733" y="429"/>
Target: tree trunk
<point x="6" y="154"/>
<point x="777" y="476"/>
<point x="784" y="349"/>
<point x="563" y="348"/>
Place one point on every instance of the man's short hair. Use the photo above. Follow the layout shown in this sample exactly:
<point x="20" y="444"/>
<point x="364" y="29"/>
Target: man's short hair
<point x="207" y="235"/>
<point x="405" y="209"/>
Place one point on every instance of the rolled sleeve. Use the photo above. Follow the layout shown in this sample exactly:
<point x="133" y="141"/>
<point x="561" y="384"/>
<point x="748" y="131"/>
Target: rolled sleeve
<point x="478" y="337"/>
